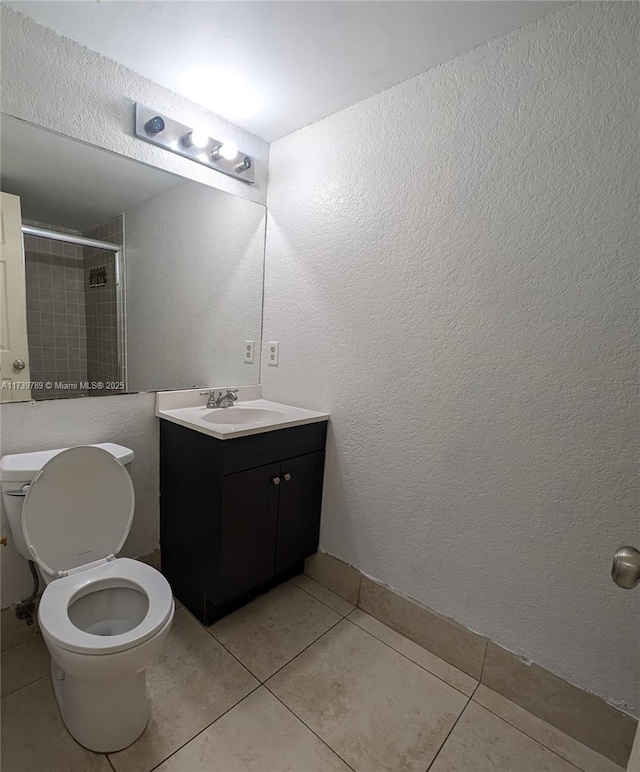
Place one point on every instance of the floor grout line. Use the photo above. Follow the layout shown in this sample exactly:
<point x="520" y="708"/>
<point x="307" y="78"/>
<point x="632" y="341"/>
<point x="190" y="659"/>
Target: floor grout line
<point x="228" y="650"/>
<point x="208" y="631"/>
<point x="263" y="683"/>
<point x="302" y="721"/>
<point x="204" y="729"/>
<point x="24" y="686"/>
<point x="246" y="667"/>
<point x="468" y="699"/>
<point x="449" y="733"/>
<point x="435" y="675"/>
<point x="335" y="611"/>
<point x="526" y="734"/>
<point x="217" y="640"/>
<point x="34" y="637"/>
<point x="260" y="683"/>
<point x="368" y="613"/>
<point x="335" y="624"/>
<point x="343" y="618"/>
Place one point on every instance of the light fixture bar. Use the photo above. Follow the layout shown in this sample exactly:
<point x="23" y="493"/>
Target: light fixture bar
<point x="153" y="127"/>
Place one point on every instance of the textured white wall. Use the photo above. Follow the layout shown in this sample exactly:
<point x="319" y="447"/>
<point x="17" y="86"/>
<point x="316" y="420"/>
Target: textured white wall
<point x="195" y="259"/>
<point x="450" y="275"/>
<point x="128" y="420"/>
<point x="59" y="85"/>
<point x="55" y="83"/>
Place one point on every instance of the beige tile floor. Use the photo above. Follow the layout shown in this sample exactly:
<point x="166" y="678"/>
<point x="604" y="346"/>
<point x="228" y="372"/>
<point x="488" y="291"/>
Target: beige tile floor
<point x="297" y="681"/>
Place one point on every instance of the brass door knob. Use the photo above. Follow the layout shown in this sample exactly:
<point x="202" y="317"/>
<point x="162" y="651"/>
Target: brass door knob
<point x="3" y="541"/>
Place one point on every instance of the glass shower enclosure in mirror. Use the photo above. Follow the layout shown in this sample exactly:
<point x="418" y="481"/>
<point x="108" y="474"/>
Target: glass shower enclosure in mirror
<point x="135" y="279"/>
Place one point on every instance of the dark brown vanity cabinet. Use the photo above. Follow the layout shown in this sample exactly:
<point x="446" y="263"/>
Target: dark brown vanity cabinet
<point x="237" y="516"/>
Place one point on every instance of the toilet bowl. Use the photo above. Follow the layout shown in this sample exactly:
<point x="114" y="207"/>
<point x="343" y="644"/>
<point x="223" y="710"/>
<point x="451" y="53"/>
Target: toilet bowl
<point x="103" y="626"/>
<point x="104" y="619"/>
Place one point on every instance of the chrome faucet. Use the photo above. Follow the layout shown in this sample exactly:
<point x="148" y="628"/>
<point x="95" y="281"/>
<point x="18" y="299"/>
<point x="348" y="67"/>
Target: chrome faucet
<point x="222" y="399"/>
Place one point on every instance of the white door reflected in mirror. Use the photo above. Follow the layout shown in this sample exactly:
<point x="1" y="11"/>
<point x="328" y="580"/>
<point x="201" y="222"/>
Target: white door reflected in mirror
<point x="14" y="354"/>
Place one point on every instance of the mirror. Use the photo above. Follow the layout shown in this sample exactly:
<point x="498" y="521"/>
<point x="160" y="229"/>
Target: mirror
<point x="136" y="279"/>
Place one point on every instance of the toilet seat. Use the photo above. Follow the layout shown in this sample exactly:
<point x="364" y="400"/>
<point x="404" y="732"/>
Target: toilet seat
<point x="53" y="613"/>
<point x="76" y="517"/>
<point x="78" y="510"/>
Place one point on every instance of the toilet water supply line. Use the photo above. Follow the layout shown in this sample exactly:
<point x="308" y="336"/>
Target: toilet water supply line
<point x="25" y="609"/>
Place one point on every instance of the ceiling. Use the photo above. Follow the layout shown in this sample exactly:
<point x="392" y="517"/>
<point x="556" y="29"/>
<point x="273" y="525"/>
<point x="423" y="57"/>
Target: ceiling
<point x="274" y="67"/>
<point x="69" y="184"/>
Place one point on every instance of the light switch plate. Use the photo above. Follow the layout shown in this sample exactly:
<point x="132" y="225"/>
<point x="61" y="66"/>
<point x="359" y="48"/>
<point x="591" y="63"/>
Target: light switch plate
<point x="273" y="351"/>
<point x="249" y="346"/>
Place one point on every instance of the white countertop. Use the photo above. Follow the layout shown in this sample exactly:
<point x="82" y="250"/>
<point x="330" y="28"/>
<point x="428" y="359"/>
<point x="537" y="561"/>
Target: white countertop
<point x="247" y="416"/>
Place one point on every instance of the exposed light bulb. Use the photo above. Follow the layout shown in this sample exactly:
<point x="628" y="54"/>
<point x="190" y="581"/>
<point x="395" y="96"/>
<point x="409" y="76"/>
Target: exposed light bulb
<point x="228" y="150"/>
<point x="243" y="166"/>
<point x="196" y="138"/>
<point x="155" y="125"/>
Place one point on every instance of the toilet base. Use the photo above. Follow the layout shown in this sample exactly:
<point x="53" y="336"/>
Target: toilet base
<point x="103" y="716"/>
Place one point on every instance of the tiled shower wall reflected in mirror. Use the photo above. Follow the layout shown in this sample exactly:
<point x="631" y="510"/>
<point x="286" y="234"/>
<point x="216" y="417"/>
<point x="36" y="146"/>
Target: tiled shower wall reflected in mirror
<point x="75" y="335"/>
<point x="105" y="336"/>
<point x="55" y="315"/>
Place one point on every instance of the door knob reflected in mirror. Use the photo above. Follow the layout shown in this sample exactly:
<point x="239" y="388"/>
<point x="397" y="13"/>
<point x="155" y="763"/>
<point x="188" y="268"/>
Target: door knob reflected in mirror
<point x="625" y="571"/>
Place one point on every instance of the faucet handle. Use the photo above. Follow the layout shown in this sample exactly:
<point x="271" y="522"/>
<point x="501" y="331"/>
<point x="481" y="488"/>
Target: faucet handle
<point x="207" y="393"/>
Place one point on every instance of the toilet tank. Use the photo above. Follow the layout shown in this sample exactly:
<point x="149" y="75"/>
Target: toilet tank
<point x="18" y="470"/>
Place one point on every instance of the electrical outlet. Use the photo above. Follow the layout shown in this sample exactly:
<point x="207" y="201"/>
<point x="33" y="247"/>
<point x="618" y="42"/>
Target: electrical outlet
<point x="248" y="351"/>
<point x="273" y="350"/>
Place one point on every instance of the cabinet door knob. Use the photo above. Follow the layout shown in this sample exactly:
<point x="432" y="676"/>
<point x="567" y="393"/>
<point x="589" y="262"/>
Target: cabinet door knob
<point x="287" y="476"/>
<point x="275" y="480"/>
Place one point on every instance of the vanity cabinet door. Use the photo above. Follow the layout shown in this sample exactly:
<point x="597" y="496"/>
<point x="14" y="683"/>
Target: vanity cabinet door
<point x="249" y="529"/>
<point x="300" y="505"/>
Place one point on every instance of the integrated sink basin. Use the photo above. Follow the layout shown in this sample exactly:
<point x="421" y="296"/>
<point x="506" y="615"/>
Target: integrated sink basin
<point x="239" y="415"/>
<point x="249" y="415"/>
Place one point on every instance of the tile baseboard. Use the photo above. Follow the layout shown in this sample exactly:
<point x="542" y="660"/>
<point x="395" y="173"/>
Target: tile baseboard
<point x="338" y="576"/>
<point x="580" y="714"/>
<point x="583" y="716"/>
<point x="546" y="734"/>
<point x="445" y="638"/>
<point x="14" y="631"/>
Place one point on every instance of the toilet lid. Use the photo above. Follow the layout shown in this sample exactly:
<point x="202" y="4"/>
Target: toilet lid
<point x="78" y="509"/>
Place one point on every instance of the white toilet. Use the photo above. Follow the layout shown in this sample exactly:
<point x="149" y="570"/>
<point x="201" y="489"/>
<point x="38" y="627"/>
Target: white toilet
<point x="104" y="619"/>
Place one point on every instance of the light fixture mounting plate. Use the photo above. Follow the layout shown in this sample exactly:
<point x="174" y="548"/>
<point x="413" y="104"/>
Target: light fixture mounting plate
<point x="242" y="167"/>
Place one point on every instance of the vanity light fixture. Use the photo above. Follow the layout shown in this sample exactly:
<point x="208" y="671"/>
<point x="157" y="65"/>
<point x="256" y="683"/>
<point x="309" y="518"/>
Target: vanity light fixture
<point x="192" y="143"/>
